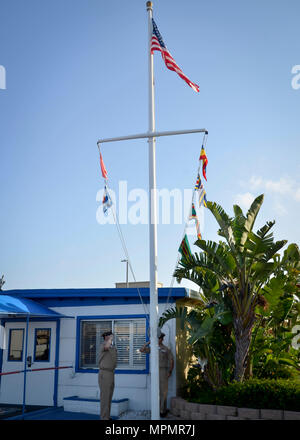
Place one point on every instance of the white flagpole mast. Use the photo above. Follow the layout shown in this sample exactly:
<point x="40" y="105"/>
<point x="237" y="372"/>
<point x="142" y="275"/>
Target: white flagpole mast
<point x="151" y="135"/>
<point x="154" y="360"/>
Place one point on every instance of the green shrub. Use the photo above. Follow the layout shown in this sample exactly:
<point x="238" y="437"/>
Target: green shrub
<point x="270" y="370"/>
<point x="255" y="393"/>
<point x="194" y="383"/>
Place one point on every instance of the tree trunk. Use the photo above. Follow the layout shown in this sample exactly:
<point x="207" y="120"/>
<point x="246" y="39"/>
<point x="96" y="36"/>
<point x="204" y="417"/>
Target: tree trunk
<point x="249" y="367"/>
<point x="242" y="341"/>
<point x="213" y="376"/>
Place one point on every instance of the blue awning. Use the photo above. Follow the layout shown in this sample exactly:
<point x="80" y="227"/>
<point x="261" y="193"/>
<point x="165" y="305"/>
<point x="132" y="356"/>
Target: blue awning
<point x="10" y="306"/>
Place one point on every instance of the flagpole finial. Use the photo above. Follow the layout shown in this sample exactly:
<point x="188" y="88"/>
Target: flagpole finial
<point x="149" y="5"/>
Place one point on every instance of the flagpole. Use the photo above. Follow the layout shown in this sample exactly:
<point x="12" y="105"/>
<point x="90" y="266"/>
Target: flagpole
<point x="151" y="135"/>
<point x="154" y="360"/>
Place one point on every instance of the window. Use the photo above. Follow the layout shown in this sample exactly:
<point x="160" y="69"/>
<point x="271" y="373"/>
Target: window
<point x="16" y="338"/>
<point x="42" y="345"/>
<point x="129" y="336"/>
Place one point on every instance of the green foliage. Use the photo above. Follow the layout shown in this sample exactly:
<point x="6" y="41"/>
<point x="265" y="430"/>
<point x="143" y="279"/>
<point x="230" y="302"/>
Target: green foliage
<point x="274" y="357"/>
<point x="209" y="333"/>
<point x="246" y="268"/>
<point x="194" y="383"/>
<point x="254" y="393"/>
<point x="271" y="352"/>
<point x="267" y="394"/>
<point x="272" y="368"/>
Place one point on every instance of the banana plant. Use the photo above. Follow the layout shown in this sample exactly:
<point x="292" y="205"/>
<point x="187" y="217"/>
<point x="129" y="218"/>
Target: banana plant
<point x="208" y="326"/>
<point x="272" y="336"/>
<point x="241" y="265"/>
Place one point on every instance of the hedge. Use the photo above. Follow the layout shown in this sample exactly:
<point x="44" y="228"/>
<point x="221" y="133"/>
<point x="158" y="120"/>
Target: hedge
<point x="255" y="393"/>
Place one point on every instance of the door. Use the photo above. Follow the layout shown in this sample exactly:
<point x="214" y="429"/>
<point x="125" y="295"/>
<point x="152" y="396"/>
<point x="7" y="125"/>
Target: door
<point x="40" y="360"/>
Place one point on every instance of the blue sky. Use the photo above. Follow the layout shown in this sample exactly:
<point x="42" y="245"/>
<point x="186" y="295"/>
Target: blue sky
<point x="76" y="71"/>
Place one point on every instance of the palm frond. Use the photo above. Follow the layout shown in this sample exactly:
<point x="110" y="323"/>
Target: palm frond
<point x="219" y="255"/>
<point x="250" y="219"/>
<point x="224" y="222"/>
<point x="273" y="249"/>
<point x="253" y="211"/>
<point x="172" y="313"/>
<point x="238" y="211"/>
<point x="265" y="229"/>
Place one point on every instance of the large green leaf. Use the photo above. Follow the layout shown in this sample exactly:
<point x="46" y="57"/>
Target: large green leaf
<point x="203" y="331"/>
<point x="243" y="226"/>
<point x="238" y="212"/>
<point x="257" y="247"/>
<point x="265" y="229"/>
<point x="223" y="315"/>
<point x="219" y="255"/>
<point x="252" y="212"/>
<point x="273" y="290"/>
<point x="173" y="313"/>
<point x="238" y="227"/>
<point x="291" y="256"/>
<point x="260" y="272"/>
<point x="224" y="222"/>
<point x="273" y="249"/>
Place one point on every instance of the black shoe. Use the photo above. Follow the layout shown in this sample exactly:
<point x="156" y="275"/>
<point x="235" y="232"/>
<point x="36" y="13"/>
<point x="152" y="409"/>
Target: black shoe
<point x="163" y="414"/>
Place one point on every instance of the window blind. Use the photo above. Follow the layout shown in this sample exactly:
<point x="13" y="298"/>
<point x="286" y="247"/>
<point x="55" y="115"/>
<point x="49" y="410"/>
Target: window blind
<point x="90" y="340"/>
<point x="129" y="336"/>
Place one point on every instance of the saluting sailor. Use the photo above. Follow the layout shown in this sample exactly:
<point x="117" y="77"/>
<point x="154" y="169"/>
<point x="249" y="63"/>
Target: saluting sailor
<point x="106" y="376"/>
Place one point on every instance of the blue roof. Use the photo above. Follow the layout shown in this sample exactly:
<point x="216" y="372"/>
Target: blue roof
<point x="10" y="305"/>
<point x="176" y="292"/>
<point x="104" y="296"/>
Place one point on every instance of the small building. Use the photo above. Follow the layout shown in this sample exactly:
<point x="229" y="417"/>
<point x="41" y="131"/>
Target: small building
<point x="62" y="345"/>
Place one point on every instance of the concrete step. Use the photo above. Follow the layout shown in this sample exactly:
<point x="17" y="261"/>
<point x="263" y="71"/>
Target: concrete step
<point x="90" y="405"/>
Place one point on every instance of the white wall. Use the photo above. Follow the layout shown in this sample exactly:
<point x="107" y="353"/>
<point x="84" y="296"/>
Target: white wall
<point x="135" y="387"/>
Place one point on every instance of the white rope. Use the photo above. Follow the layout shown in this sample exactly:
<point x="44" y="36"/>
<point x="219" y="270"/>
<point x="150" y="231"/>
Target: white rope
<point x="123" y="243"/>
<point x="128" y="258"/>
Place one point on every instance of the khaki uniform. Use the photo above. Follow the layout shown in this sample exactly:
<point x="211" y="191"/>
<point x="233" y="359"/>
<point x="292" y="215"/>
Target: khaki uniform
<point x="165" y="359"/>
<point x="106" y="379"/>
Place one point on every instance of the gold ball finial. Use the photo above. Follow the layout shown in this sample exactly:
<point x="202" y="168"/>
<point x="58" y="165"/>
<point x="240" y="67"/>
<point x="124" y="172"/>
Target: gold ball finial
<point x="149" y="5"/>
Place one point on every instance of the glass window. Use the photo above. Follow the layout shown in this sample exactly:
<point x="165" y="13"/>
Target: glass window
<point x="90" y="339"/>
<point x="42" y="344"/>
<point x="16" y="339"/>
<point x="129" y="336"/>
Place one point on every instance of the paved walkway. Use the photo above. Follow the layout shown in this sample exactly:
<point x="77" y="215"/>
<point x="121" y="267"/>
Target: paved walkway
<point x="60" y="414"/>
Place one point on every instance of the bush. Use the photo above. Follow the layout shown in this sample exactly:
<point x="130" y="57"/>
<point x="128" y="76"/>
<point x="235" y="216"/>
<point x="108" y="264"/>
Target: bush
<point x="194" y="383"/>
<point x="255" y="393"/>
<point x="270" y="370"/>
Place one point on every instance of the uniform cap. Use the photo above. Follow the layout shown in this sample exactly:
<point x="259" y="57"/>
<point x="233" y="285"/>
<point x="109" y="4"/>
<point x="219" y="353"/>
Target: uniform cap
<point x="107" y="334"/>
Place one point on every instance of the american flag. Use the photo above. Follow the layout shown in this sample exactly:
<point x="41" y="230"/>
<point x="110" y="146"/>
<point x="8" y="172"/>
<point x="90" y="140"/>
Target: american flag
<point x="157" y="43"/>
